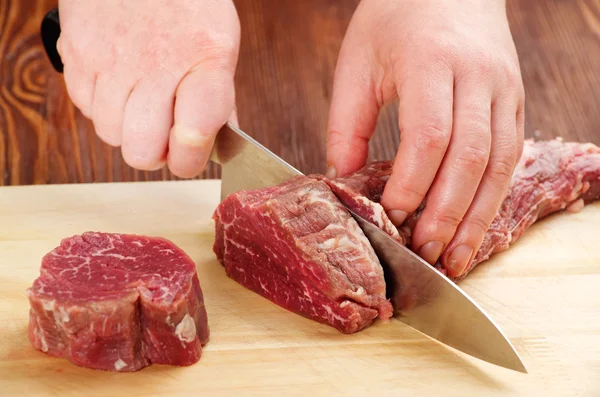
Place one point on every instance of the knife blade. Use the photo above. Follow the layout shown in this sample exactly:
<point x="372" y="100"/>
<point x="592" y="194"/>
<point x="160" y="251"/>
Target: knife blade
<point x="431" y="303"/>
<point x="245" y="163"/>
<point x="423" y="298"/>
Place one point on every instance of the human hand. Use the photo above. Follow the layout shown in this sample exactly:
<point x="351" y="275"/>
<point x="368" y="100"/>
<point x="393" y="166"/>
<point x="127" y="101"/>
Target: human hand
<point x="157" y="81"/>
<point x="454" y="68"/>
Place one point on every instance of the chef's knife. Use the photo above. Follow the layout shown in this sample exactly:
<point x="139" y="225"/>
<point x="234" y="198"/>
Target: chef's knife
<point x="423" y="298"/>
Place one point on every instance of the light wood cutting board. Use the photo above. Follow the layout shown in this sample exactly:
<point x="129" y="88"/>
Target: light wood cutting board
<point x="544" y="292"/>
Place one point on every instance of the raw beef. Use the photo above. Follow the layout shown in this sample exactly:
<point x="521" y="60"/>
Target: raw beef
<point x="361" y="192"/>
<point x="550" y="176"/>
<point x="296" y="245"/>
<point x="118" y="302"/>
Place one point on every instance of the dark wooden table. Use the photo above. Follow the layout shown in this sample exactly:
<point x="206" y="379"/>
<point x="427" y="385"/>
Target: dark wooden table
<point x="283" y="87"/>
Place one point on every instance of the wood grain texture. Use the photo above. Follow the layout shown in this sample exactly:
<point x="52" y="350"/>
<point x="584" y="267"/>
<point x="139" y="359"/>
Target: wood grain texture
<point x="283" y="84"/>
<point x="559" y="49"/>
<point x="543" y="292"/>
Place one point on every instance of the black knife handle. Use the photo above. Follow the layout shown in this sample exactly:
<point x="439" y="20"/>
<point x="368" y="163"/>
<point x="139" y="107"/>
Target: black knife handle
<point x="50" y="31"/>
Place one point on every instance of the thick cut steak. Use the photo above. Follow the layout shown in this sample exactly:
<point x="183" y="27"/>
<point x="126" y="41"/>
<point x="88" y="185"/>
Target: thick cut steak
<point x="550" y="176"/>
<point x="118" y="302"/>
<point x="296" y="245"/>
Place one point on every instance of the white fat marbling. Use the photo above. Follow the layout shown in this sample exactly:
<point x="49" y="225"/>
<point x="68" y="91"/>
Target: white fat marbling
<point x="186" y="329"/>
<point x="120" y="364"/>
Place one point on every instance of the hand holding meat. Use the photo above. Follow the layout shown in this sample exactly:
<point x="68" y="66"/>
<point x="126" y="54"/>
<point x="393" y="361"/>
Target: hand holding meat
<point x="453" y="67"/>
<point x="155" y="79"/>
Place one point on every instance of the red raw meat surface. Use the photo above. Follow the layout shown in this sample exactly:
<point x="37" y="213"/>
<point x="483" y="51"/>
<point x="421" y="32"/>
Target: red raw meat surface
<point x="296" y="245"/>
<point x="118" y="302"/>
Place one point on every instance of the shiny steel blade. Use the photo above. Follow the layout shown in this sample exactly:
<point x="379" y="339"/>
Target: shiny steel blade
<point x="431" y="303"/>
<point x="427" y="300"/>
<point x="245" y="163"/>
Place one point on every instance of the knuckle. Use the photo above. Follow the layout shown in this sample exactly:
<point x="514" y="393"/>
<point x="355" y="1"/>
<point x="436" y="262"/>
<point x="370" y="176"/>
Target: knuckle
<point x="334" y="134"/>
<point x="508" y="74"/>
<point x="510" y="70"/>
<point x="473" y="157"/>
<point x="335" y="139"/>
<point x="504" y="68"/>
<point x="477" y="63"/>
<point x="66" y="46"/>
<point x="442" y="50"/>
<point x="486" y="63"/>
<point x="448" y="219"/>
<point x="522" y="96"/>
<point x="215" y="44"/>
<point x="512" y="81"/>
<point x="478" y="225"/>
<point x="218" y="51"/>
<point x="501" y="169"/>
<point x="433" y="136"/>
<point x="409" y="194"/>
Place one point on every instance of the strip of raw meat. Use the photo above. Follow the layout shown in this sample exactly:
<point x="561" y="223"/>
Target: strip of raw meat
<point x="296" y="245"/>
<point x="118" y="302"/>
<point x="361" y="192"/>
<point x="550" y="176"/>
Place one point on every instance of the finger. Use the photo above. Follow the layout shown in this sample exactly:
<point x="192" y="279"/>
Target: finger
<point x="425" y="120"/>
<point x="461" y="171"/>
<point x="146" y="123"/>
<point x="353" y="112"/>
<point x="233" y="117"/>
<point x="520" y="124"/>
<point x="108" y="111"/>
<point x="204" y="102"/>
<point x="492" y="190"/>
<point x="80" y="87"/>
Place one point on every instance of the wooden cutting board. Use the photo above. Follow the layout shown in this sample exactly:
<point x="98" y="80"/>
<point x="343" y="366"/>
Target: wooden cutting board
<point x="544" y="292"/>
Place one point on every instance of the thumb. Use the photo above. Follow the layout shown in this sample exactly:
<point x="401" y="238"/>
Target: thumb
<point x="233" y="117"/>
<point x="353" y="112"/>
<point x="204" y="102"/>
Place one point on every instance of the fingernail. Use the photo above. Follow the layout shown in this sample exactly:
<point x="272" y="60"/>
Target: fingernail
<point x="191" y="137"/>
<point x="431" y="251"/>
<point x="331" y="172"/>
<point x="158" y="166"/>
<point x="458" y="260"/>
<point x="397" y="216"/>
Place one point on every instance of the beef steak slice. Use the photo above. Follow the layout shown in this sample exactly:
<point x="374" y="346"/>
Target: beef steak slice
<point x="296" y="245"/>
<point x="550" y="176"/>
<point x="118" y="302"/>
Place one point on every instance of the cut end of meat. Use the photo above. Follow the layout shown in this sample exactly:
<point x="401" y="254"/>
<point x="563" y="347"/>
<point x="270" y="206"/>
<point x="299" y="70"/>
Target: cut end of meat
<point x="361" y="192"/>
<point x="297" y="245"/>
<point x="118" y="302"/>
